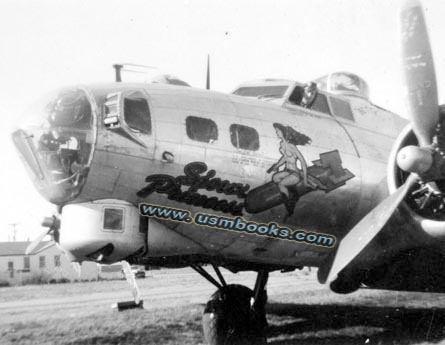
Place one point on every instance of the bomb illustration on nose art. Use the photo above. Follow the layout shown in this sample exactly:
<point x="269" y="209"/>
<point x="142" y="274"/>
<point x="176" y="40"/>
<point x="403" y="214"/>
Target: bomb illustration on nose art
<point x="293" y="178"/>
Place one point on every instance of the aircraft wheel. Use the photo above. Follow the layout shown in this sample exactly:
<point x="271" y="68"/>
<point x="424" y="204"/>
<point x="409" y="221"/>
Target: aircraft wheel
<point x="229" y="319"/>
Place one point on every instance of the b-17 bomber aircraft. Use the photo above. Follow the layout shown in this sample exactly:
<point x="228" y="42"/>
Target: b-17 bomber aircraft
<point x="176" y="176"/>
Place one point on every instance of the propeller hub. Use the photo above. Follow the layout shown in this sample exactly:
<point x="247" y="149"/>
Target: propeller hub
<point x="48" y="222"/>
<point x="415" y="159"/>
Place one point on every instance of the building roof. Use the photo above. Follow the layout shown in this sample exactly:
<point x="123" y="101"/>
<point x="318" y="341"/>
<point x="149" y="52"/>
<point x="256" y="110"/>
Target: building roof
<point x="19" y="248"/>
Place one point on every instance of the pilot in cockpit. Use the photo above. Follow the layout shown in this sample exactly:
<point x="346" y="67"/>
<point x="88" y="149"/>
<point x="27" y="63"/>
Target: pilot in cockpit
<point x="304" y="96"/>
<point x="309" y="94"/>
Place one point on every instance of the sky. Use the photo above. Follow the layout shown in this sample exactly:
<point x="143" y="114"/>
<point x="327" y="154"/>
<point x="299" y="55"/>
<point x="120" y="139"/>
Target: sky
<point x="48" y="44"/>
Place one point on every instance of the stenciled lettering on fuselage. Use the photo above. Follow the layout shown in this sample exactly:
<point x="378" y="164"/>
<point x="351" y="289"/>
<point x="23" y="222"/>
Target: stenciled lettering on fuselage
<point x="195" y="180"/>
<point x="291" y="178"/>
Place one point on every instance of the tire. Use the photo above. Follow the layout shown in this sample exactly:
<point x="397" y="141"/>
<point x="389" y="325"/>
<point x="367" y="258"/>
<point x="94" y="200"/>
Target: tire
<point x="229" y="319"/>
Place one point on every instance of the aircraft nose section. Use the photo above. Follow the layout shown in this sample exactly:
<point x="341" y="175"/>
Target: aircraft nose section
<point x="56" y="143"/>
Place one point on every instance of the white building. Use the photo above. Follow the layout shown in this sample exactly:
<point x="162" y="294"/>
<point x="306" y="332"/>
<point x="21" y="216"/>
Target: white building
<point x="47" y="262"/>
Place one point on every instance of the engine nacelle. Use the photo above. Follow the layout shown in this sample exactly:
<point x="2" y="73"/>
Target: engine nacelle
<point x="105" y="230"/>
<point x="424" y="207"/>
<point x="111" y="230"/>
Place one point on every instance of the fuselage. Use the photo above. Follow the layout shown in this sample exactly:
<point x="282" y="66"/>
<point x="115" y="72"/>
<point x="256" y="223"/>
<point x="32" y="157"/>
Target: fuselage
<point x="208" y="152"/>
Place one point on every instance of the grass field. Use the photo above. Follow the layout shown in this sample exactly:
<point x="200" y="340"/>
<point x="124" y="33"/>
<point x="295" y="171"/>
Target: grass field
<point x="300" y="312"/>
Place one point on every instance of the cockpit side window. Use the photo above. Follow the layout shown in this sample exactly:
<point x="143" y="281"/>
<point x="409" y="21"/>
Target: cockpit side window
<point x="341" y="108"/>
<point x="137" y="113"/>
<point x="272" y="91"/>
<point x="296" y="95"/>
<point x="320" y="103"/>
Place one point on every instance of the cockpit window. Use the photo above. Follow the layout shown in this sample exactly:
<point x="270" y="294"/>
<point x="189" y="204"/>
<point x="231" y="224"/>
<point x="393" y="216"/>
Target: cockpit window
<point x="341" y="108"/>
<point x="297" y="95"/>
<point x="319" y="103"/>
<point x="344" y="83"/>
<point x="137" y="113"/>
<point x="56" y="143"/>
<point x="272" y="91"/>
<point x="348" y="83"/>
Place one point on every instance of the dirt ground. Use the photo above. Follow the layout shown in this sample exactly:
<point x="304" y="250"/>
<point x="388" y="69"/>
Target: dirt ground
<point x="300" y="311"/>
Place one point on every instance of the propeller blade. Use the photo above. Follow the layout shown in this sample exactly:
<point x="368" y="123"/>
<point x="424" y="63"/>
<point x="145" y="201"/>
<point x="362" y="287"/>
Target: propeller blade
<point x="208" y="73"/>
<point x="56" y="234"/>
<point x="53" y="225"/>
<point x="418" y="68"/>
<point x="33" y="245"/>
<point x="360" y="236"/>
<point x="48" y="245"/>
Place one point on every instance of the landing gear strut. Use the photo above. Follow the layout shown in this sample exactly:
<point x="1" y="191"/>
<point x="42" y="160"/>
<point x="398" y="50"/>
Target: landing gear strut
<point x="137" y="302"/>
<point x="235" y="314"/>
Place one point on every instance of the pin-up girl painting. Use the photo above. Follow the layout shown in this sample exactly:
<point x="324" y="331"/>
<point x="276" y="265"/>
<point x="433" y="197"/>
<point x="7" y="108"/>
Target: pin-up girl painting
<point x="291" y="175"/>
